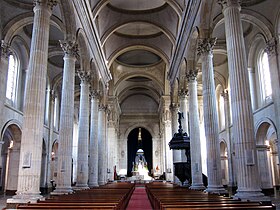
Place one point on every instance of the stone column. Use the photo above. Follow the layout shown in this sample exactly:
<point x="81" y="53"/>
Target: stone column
<point x="168" y="153"/>
<point x="205" y="47"/>
<point x="50" y="143"/>
<point x="177" y="154"/>
<point x="243" y="129"/>
<point x="185" y="121"/>
<point x="228" y="134"/>
<point x="4" y="65"/>
<point x="252" y="83"/>
<point x="93" y="149"/>
<point x="66" y="123"/>
<point x="28" y="189"/>
<point x="271" y="50"/>
<point x="83" y="132"/>
<point x="101" y="145"/>
<point x="196" y="164"/>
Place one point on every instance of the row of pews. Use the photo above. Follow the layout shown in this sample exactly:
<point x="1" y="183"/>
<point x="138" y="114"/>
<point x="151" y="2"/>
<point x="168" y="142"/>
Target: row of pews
<point x="110" y="196"/>
<point x="166" y="196"/>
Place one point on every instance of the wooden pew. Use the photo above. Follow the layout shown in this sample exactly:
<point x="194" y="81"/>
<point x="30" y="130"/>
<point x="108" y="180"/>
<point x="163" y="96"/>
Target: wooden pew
<point x="170" y="197"/>
<point x="111" y="196"/>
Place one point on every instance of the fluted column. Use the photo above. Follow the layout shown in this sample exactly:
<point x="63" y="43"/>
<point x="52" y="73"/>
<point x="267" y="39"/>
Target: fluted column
<point x="4" y="62"/>
<point x="272" y="52"/>
<point x="28" y="188"/>
<point x="50" y="143"/>
<point x="205" y="50"/>
<point x="93" y="149"/>
<point x="101" y="145"/>
<point x="252" y="83"/>
<point x="196" y="164"/>
<point x="66" y="123"/>
<point x="243" y="129"/>
<point x="183" y="107"/>
<point x="168" y="153"/>
<point x="228" y="134"/>
<point x="83" y="132"/>
<point x="177" y="154"/>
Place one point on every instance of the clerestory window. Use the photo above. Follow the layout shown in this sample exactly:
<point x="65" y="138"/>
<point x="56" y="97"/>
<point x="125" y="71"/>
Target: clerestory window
<point x="12" y="78"/>
<point x="265" y="77"/>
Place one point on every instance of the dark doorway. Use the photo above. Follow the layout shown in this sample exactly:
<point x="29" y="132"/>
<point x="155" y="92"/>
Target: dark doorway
<point x="132" y="147"/>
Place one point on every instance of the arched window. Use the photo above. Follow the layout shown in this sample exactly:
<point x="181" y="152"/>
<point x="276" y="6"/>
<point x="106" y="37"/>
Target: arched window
<point x="12" y="78"/>
<point x="265" y="77"/>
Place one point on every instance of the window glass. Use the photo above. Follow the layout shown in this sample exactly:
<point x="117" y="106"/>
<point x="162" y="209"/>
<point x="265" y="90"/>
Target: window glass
<point x="12" y="78"/>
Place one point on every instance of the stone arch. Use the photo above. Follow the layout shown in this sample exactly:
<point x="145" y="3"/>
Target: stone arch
<point x="111" y="30"/>
<point x="130" y="75"/>
<point x="224" y="162"/>
<point x="16" y="24"/>
<point x="83" y="50"/>
<point x="267" y="161"/>
<point x="118" y="52"/>
<point x="10" y="155"/>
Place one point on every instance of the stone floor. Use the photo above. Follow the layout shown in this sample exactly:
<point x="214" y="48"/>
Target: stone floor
<point x="275" y="200"/>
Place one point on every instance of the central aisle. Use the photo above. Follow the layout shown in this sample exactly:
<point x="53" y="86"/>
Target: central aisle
<point x="139" y="200"/>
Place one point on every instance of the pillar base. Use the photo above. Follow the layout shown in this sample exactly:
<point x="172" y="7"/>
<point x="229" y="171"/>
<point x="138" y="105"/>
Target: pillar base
<point x="253" y="195"/>
<point x="62" y="191"/>
<point x="93" y="185"/>
<point x="101" y="183"/>
<point x="197" y="187"/>
<point x="25" y="198"/>
<point x="81" y="187"/>
<point x="219" y="189"/>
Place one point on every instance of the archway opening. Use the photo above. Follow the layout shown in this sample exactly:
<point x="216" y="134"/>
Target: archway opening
<point x="133" y="146"/>
<point x="10" y="159"/>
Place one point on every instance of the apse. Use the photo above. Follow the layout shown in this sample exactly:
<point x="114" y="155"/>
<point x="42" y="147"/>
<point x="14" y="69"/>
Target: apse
<point x="133" y="146"/>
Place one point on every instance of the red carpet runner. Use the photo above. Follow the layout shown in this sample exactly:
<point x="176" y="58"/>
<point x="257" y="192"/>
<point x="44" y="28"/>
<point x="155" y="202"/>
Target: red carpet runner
<point x="139" y="200"/>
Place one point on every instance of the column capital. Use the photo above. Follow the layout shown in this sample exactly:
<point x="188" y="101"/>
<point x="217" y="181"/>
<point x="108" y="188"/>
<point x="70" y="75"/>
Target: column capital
<point x="271" y="47"/>
<point x="5" y="49"/>
<point x="225" y="95"/>
<point x="183" y="93"/>
<point x="94" y="94"/>
<point x="229" y="3"/>
<point x="191" y="75"/>
<point x="206" y="45"/>
<point x="102" y="107"/>
<point x="84" y="76"/>
<point x="49" y="3"/>
<point x="174" y="106"/>
<point x="69" y="47"/>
